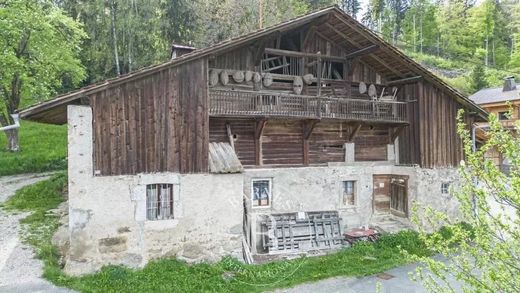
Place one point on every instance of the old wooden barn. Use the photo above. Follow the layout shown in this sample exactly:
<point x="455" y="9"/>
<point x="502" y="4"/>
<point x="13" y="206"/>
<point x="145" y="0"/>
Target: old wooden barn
<point x="232" y="149"/>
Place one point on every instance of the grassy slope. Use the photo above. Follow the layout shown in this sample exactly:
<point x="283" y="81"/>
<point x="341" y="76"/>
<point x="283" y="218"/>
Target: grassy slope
<point x="43" y="148"/>
<point x="170" y="275"/>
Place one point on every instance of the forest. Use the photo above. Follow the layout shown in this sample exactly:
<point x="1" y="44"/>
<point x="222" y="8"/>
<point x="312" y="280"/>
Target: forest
<point x="53" y="46"/>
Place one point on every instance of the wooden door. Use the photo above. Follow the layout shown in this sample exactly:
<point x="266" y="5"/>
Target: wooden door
<point x="390" y="194"/>
<point x="399" y="196"/>
<point x="381" y="196"/>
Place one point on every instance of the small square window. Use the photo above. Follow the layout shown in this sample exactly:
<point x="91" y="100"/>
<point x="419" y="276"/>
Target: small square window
<point x="159" y="202"/>
<point x="261" y="192"/>
<point x="503" y="115"/>
<point x="349" y="192"/>
<point x="445" y="187"/>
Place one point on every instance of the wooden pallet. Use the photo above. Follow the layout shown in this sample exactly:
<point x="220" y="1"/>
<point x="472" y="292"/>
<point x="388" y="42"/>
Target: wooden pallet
<point x="294" y="232"/>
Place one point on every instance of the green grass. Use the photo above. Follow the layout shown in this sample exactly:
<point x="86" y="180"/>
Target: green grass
<point x="43" y="148"/>
<point x="228" y="275"/>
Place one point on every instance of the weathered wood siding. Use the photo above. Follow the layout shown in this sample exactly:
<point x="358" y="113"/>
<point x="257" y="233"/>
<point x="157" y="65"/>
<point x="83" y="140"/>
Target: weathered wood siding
<point x="371" y="143"/>
<point x="243" y="131"/>
<point x="431" y="140"/>
<point x="282" y="141"/>
<point x="154" y="124"/>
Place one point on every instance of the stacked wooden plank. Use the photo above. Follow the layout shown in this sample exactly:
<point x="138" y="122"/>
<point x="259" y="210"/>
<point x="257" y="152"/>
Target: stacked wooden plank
<point x="223" y="159"/>
<point x="302" y="231"/>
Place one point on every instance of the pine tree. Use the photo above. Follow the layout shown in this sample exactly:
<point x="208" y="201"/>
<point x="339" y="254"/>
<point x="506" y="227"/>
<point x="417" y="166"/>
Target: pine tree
<point x="478" y="78"/>
<point x="351" y="7"/>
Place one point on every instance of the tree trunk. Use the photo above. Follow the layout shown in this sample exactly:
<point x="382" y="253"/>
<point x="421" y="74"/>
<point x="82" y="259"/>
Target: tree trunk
<point x="114" y="36"/>
<point x="13" y="143"/>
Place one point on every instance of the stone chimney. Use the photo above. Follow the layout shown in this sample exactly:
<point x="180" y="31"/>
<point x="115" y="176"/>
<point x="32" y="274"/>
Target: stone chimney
<point x="179" y="50"/>
<point x="509" y="84"/>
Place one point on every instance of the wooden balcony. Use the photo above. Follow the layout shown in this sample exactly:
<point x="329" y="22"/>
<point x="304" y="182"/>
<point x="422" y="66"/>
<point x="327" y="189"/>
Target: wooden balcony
<point x="235" y="103"/>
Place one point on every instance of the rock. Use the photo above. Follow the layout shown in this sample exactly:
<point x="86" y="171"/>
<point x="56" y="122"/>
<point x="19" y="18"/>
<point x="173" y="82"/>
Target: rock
<point x="192" y="251"/>
<point x="112" y="244"/>
<point x="61" y="240"/>
<point x="123" y="230"/>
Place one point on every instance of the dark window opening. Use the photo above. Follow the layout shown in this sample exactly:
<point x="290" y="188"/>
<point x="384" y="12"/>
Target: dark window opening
<point x="503" y="115"/>
<point x="445" y="188"/>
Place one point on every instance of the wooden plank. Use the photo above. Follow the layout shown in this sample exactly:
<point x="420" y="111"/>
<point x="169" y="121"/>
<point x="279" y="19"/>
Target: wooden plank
<point x="356" y="44"/>
<point x="259" y="128"/>
<point x="363" y="51"/>
<point x="354" y="130"/>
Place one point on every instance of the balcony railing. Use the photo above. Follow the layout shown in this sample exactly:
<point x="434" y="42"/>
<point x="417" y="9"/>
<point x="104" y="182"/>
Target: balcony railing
<point x="232" y="103"/>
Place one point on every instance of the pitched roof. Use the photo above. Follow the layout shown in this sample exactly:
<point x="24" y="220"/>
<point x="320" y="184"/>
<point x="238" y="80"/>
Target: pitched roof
<point x="494" y="95"/>
<point x="336" y="24"/>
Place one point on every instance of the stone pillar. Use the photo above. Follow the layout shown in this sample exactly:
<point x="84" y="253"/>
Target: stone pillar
<point x="390" y="153"/>
<point x="349" y="152"/>
<point x="80" y="173"/>
<point x="80" y="160"/>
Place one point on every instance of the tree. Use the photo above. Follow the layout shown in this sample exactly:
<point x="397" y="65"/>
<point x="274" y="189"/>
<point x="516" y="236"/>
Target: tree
<point x="40" y="47"/>
<point x="351" y="7"/>
<point x="478" y="78"/>
<point x="484" y="254"/>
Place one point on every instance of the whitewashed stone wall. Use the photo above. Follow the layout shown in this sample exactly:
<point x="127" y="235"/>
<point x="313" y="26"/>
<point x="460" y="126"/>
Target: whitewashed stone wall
<point x="108" y="213"/>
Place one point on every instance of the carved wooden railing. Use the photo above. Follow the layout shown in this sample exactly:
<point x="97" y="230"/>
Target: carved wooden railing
<point x="233" y="103"/>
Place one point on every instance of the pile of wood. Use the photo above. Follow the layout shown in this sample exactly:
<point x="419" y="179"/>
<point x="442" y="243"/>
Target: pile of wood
<point x="302" y="231"/>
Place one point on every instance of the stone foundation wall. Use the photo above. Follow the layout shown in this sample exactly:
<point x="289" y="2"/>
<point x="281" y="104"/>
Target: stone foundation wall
<point x="320" y="189"/>
<point x="107" y="215"/>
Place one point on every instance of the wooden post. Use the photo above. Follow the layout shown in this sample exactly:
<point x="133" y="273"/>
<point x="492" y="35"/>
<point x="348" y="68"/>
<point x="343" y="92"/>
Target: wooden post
<point x="318" y="81"/>
<point x="230" y="136"/>
<point x="353" y="131"/>
<point x="259" y="129"/>
<point x="318" y="84"/>
<point x="307" y="127"/>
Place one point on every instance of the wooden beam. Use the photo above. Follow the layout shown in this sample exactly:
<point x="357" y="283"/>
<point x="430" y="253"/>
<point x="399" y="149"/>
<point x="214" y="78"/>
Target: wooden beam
<point x="350" y="65"/>
<point x="394" y="133"/>
<point x="361" y="52"/>
<point x="307" y="127"/>
<point x="289" y="53"/>
<point x="259" y="129"/>
<point x="308" y="34"/>
<point x="354" y="131"/>
<point x="405" y="80"/>
<point x="230" y="136"/>
<point x="358" y="45"/>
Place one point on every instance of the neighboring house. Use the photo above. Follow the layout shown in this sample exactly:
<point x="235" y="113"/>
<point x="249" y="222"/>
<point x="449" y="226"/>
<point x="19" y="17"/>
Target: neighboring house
<point x="274" y="142"/>
<point x="499" y="101"/>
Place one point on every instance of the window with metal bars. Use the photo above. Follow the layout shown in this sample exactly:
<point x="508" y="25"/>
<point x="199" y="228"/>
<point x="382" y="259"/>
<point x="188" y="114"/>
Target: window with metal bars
<point x="445" y="187"/>
<point x="159" y="202"/>
<point x="349" y="192"/>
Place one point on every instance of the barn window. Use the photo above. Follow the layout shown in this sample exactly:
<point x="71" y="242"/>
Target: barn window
<point x="159" y="202"/>
<point x="349" y="192"/>
<point x="445" y="187"/>
<point x="261" y="192"/>
<point x="503" y="115"/>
